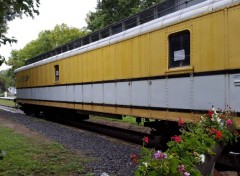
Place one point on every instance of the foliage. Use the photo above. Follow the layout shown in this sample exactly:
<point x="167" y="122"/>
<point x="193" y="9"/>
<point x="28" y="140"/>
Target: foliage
<point x="110" y="11"/>
<point x="6" y="78"/>
<point x="9" y="103"/>
<point x="132" y="120"/>
<point x="11" y="9"/>
<point x="2" y="84"/>
<point x="62" y="34"/>
<point x="190" y="148"/>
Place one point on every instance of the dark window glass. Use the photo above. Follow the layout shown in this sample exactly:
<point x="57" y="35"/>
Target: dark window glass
<point x="105" y="33"/>
<point x="94" y="36"/>
<point x="131" y="22"/>
<point x="146" y="16"/>
<point x="117" y="28"/>
<point x="56" y="68"/>
<point x="85" y="40"/>
<point x="179" y="49"/>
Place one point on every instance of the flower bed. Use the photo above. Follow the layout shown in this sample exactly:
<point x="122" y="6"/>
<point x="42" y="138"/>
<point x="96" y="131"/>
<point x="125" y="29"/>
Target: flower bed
<point x="194" y="152"/>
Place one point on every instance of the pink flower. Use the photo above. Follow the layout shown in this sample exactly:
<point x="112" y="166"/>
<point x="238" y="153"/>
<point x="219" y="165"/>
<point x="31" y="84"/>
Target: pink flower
<point x="186" y="174"/>
<point x="229" y="122"/>
<point x="181" y="168"/>
<point x="160" y="155"/>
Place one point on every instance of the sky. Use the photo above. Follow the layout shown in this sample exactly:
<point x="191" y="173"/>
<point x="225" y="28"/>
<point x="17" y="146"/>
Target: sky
<point x="52" y="12"/>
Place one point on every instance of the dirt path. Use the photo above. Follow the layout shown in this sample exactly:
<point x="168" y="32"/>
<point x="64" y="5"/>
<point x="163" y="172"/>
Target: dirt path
<point x="21" y="129"/>
<point x="17" y="127"/>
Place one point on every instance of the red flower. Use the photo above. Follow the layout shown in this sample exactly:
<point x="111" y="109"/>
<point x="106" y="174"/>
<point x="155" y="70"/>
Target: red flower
<point x="134" y="158"/>
<point x="146" y="139"/>
<point x="176" y="138"/>
<point x="180" y="122"/>
<point x="218" y="133"/>
<point x="210" y="113"/>
<point x="213" y="130"/>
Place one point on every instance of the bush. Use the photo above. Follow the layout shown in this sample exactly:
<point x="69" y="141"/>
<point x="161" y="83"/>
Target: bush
<point x="189" y="149"/>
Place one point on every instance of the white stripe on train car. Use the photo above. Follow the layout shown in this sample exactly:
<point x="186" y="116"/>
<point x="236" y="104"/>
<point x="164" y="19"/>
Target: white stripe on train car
<point x="199" y="92"/>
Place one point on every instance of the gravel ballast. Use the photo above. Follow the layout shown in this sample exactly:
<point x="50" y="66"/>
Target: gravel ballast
<point x="109" y="156"/>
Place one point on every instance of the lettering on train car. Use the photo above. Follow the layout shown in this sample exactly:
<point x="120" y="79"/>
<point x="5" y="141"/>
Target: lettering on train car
<point x="236" y="80"/>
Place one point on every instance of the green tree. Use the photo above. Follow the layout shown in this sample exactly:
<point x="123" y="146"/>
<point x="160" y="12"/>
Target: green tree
<point x="63" y="34"/>
<point x="11" y="9"/>
<point x="110" y="11"/>
<point x="2" y="84"/>
<point x="6" y="80"/>
<point x="16" y="59"/>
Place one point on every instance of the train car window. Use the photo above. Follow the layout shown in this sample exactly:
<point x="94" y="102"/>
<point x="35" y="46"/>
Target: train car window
<point x="56" y="68"/>
<point x="179" y="49"/>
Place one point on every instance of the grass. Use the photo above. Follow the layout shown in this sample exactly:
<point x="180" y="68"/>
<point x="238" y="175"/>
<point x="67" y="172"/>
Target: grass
<point x="126" y="119"/>
<point x="131" y="120"/>
<point x="9" y="103"/>
<point x="36" y="156"/>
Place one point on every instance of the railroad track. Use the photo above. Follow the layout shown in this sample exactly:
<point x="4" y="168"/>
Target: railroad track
<point x="115" y="132"/>
<point x="110" y="129"/>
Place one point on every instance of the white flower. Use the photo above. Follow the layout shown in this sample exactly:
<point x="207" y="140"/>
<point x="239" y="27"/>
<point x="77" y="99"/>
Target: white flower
<point x="215" y="114"/>
<point x="214" y="110"/>
<point x="221" y="124"/>
<point x="202" y="158"/>
<point x="203" y="119"/>
<point x="145" y="164"/>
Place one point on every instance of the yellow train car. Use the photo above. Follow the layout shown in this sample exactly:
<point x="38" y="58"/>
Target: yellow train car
<point x="176" y="65"/>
